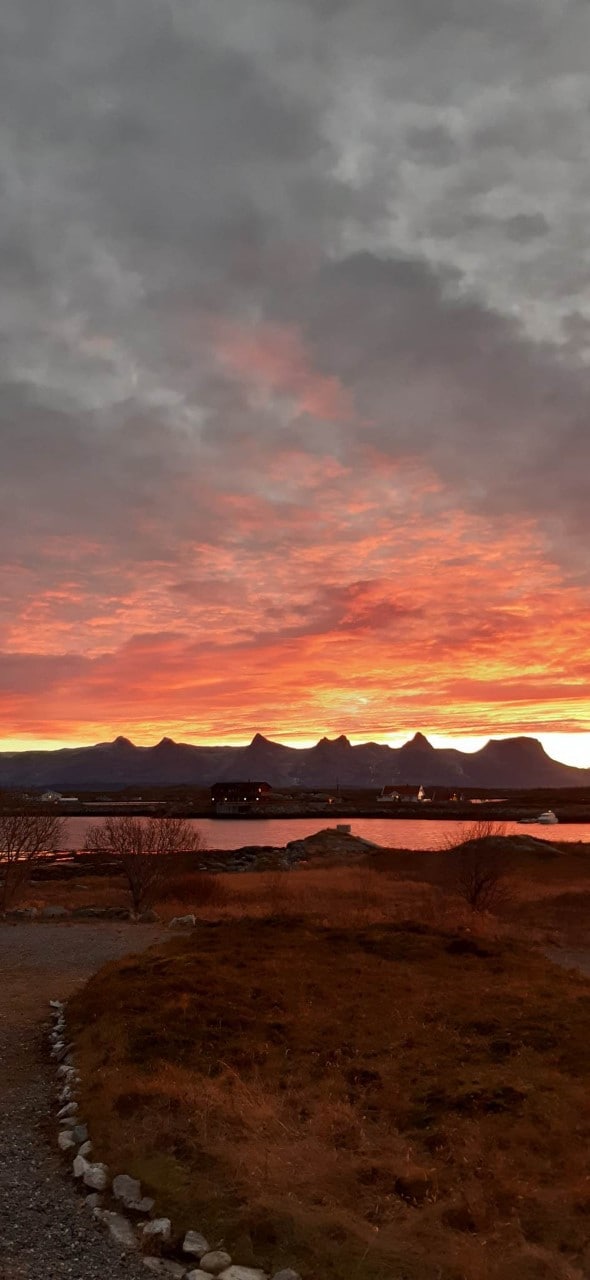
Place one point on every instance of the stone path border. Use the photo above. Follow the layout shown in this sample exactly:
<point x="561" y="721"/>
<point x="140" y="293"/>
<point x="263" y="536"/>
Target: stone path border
<point x="46" y="1229"/>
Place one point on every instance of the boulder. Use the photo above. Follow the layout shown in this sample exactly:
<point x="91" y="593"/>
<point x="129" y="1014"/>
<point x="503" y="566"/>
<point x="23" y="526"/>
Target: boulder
<point x="195" y="1243"/>
<point x="158" y="1228"/>
<point x="286" y="1274"/>
<point x="126" y="1189"/>
<point x="65" y="1141"/>
<point x="185" y="922"/>
<point x="145" y="1205"/>
<point x="61" y="1051"/>
<point x="93" y="1200"/>
<point x="85" y="1150"/>
<point x="198" y="1275"/>
<point x="215" y="1262"/>
<point x="120" y="1230"/>
<point x="80" y="1165"/>
<point x="80" y="1133"/>
<point x="69" y="1109"/>
<point x="57" y="1004"/>
<point x="54" y="913"/>
<point x="96" y="1176"/>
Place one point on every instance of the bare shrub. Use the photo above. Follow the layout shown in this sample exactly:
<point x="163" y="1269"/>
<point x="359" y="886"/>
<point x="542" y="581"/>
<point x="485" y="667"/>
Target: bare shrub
<point x="25" y="836"/>
<point x="481" y="879"/>
<point x="147" y="849"/>
<point x="469" y="833"/>
<point x="477" y="866"/>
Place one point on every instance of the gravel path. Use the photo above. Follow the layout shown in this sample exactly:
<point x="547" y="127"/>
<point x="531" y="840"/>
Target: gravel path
<point x="45" y="1232"/>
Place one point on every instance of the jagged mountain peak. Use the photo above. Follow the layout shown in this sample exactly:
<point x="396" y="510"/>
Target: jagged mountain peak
<point x="421" y="741"/>
<point x="504" y="763"/>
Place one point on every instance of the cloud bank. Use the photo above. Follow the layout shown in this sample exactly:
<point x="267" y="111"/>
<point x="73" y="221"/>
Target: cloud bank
<point x="294" y="367"/>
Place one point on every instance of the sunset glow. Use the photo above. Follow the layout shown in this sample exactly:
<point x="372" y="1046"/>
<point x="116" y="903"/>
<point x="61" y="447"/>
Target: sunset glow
<point x="293" y="417"/>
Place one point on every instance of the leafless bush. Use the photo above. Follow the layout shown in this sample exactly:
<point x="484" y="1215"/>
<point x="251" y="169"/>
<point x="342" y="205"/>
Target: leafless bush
<point x="25" y="836"/>
<point x="481" y="879"/>
<point x="469" y="833"/>
<point x="477" y="865"/>
<point x="147" y="848"/>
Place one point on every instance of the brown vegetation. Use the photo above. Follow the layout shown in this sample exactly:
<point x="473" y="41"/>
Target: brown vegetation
<point x="323" y="1085"/>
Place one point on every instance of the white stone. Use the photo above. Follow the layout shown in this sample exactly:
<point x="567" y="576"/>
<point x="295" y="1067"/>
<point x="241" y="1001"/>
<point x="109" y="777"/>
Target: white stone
<point x="286" y="1274"/>
<point x="185" y="921"/>
<point x="67" y="1073"/>
<point x="243" y="1273"/>
<point x="120" y="1230"/>
<point x="65" y="1141"/>
<point x="145" y="1205"/>
<point x="69" y="1109"/>
<point x="96" y="1176"/>
<point x="126" y="1189"/>
<point x="164" y="1267"/>
<point x="66" y="1094"/>
<point x="85" y="1150"/>
<point x="198" y="1275"/>
<point x="57" y="1004"/>
<point x="215" y="1261"/>
<point x="68" y="1122"/>
<point x="195" y="1243"/>
<point x="161" y="1228"/>
<point x="80" y="1165"/>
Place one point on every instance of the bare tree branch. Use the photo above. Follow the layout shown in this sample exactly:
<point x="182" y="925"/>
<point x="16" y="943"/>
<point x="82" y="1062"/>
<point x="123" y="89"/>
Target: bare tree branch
<point x="25" y="836"/>
<point x="145" y="847"/>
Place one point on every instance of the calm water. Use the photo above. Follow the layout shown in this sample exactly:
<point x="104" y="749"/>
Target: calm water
<point x="401" y="833"/>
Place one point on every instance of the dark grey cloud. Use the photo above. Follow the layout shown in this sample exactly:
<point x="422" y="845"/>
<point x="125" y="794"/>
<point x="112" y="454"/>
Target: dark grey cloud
<point x="403" y="184"/>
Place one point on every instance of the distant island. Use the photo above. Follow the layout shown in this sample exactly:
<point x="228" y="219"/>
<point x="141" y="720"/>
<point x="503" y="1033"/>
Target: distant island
<point x="510" y="763"/>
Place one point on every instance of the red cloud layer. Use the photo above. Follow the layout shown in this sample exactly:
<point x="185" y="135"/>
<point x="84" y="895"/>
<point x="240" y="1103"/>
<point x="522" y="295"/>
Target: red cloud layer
<point x="336" y="601"/>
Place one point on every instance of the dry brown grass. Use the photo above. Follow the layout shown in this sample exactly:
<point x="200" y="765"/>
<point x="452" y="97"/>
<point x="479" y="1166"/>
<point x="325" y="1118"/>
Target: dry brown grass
<point x="359" y="1098"/>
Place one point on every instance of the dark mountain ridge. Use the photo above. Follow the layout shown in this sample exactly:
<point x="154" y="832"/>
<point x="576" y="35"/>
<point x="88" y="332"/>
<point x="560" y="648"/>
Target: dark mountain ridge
<point x="508" y="763"/>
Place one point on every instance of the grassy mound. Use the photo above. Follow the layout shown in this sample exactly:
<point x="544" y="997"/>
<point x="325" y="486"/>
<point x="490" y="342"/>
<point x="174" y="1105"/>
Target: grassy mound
<point x="360" y="1103"/>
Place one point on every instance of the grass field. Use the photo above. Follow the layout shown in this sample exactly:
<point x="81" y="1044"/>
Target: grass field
<point x="355" y="1096"/>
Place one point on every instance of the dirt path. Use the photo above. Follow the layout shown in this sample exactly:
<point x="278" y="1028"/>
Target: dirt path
<point x="45" y="1232"/>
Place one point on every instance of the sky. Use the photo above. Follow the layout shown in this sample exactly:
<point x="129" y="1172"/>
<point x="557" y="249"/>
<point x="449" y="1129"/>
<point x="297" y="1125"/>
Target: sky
<point x="294" y="370"/>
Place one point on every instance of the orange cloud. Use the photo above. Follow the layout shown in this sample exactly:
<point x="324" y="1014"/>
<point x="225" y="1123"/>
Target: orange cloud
<point x="323" y="597"/>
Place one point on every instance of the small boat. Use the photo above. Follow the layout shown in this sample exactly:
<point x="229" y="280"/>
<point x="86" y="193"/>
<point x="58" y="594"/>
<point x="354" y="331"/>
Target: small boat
<point x="548" y="818"/>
